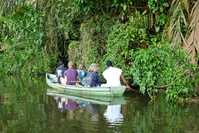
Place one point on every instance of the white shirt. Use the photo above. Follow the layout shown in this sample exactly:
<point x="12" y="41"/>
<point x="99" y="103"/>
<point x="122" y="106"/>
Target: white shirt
<point x="112" y="76"/>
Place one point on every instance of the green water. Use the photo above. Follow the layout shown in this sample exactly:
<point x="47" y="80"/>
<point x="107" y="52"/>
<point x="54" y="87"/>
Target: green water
<point x="25" y="107"/>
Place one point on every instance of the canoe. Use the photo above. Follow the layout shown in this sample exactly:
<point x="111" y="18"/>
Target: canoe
<point x="115" y="91"/>
<point x="89" y="99"/>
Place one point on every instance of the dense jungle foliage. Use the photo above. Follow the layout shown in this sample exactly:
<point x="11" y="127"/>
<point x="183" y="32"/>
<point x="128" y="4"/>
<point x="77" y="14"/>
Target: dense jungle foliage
<point x="154" y="42"/>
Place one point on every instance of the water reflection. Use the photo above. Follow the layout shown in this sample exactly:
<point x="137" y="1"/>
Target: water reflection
<point x="65" y="104"/>
<point x="91" y="104"/>
<point x="60" y="104"/>
<point x="91" y="99"/>
<point x="113" y="114"/>
<point x="25" y="107"/>
<point x="93" y="109"/>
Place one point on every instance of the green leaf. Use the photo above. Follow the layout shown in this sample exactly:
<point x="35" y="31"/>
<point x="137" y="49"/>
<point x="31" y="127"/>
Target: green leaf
<point x="124" y="7"/>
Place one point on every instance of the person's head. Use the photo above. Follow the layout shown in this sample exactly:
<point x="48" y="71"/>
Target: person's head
<point x="70" y="64"/>
<point x="93" y="67"/>
<point x="109" y="63"/>
<point x="81" y="66"/>
<point x="61" y="63"/>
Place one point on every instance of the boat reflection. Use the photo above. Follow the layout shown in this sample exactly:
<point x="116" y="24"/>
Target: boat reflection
<point x="70" y="103"/>
<point x="91" y="99"/>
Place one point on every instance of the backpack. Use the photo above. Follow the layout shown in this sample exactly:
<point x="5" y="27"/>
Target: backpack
<point x="88" y="79"/>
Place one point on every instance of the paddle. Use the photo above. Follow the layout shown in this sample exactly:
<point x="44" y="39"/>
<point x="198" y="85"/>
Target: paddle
<point x="76" y="81"/>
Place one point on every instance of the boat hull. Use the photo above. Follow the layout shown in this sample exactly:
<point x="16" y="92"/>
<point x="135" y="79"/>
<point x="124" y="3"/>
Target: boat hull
<point x="115" y="91"/>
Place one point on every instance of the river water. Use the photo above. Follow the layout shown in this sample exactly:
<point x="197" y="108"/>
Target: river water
<point x="27" y="105"/>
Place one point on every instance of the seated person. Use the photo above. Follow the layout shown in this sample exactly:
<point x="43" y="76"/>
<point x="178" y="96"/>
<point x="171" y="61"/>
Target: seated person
<point x="113" y="75"/>
<point x="60" y="71"/>
<point x="70" y="75"/>
<point x="92" y="77"/>
<point x="81" y="74"/>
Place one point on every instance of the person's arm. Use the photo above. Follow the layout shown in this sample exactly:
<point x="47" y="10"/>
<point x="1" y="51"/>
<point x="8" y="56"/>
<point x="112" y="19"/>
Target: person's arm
<point x="125" y="82"/>
<point x="65" y="78"/>
<point x="125" y="106"/>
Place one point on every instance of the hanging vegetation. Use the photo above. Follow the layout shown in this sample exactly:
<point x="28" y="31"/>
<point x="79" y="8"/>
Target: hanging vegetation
<point x="184" y="26"/>
<point x="35" y="34"/>
<point x="22" y="43"/>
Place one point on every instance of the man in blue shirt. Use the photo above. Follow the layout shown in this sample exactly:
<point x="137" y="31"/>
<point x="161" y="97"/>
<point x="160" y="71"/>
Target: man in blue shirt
<point x="60" y="70"/>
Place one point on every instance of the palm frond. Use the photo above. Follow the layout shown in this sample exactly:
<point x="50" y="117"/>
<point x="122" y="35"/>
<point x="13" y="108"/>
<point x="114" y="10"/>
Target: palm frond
<point x="193" y="39"/>
<point x="184" y="27"/>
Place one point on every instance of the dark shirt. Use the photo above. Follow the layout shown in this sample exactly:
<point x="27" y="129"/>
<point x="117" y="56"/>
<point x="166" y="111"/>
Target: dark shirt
<point x="60" y="72"/>
<point x="71" y="75"/>
<point x="95" y="82"/>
